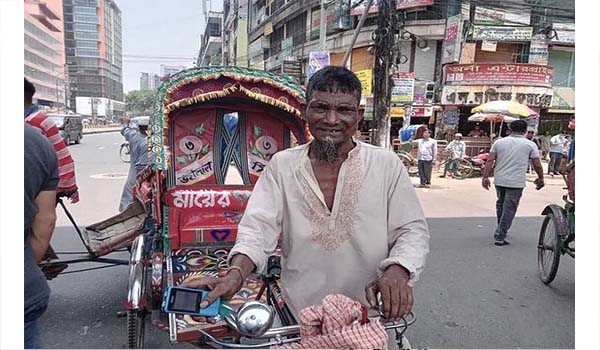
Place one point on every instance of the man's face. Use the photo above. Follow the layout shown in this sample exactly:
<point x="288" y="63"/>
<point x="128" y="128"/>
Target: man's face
<point x="456" y="138"/>
<point x="333" y="117"/>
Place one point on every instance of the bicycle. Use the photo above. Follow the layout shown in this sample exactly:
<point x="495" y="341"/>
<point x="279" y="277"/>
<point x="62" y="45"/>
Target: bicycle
<point x="410" y="162"/>
<point x="125" y="152"/>
<point x="459" y="168"/>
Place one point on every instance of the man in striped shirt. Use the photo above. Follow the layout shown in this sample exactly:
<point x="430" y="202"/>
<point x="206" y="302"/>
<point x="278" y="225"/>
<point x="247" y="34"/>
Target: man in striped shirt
<point x="34" y="117"/>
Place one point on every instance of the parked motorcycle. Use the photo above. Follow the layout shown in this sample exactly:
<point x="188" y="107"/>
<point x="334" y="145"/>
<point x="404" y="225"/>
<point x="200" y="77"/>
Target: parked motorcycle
<point x="478" y="161"/>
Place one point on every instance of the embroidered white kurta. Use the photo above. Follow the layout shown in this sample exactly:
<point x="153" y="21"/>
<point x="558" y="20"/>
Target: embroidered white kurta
<point x="376" y="221"/>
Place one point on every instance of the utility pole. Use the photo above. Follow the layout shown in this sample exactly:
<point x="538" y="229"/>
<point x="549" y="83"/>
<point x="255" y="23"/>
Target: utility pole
<point x="384" y="42"/>
<point x="323" y="25"/>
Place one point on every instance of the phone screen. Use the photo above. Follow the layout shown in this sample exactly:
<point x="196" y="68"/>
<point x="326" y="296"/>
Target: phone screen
<point x="186" y="301"/>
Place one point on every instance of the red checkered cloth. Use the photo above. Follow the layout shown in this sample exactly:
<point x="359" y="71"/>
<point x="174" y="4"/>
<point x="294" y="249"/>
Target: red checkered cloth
<point x="332" y="325"/>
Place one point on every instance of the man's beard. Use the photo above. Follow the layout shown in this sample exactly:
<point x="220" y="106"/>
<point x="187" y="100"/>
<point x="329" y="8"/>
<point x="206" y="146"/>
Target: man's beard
<point x="325" y="150"/>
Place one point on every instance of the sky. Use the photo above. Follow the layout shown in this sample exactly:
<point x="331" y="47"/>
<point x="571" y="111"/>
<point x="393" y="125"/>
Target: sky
<point x="160" y="28"/>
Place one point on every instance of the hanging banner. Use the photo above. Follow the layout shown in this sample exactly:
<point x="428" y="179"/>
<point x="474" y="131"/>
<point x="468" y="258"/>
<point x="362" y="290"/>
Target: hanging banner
<point x="538" y="50"/>
<point x="404" y="86"/>
<point x="366" y="80"/>
<point x="400" y="4"/>
<point x="452" y="40"/>
<point x="316" y="61"/>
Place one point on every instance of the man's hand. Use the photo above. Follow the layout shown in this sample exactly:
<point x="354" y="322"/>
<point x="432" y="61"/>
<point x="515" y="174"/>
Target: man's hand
<point x="224" y="287"/>
<point x="396" y="295"/>
<point x="74" y="197"/>
<point x="485" y="183"/>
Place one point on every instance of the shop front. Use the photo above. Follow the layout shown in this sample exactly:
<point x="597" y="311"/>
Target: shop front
<point x="469" y="85"/>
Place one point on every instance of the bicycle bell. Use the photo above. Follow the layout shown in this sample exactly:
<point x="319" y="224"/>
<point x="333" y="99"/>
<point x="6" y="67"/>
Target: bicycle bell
<point x="254" y="319"/>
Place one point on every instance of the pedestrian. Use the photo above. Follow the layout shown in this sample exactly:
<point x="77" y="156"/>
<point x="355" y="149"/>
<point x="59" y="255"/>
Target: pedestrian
<point x="426" y="157"/>
<point x="545" y="145"/>
<point x="138" y="145"/>
<point x="457" y="150"/>
<point x="557" y="147"/>
<point x="67" y="186"/>
<point x="511" y="155"/>
<point x="324" y="200"/>
<point x="41" y="181"/>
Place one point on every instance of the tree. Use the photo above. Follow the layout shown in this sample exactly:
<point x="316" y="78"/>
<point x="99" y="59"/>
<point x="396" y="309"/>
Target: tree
<point x="139" y="102"/>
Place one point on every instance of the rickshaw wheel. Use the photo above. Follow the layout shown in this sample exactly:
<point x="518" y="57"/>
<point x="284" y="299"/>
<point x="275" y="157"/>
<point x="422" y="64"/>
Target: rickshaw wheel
<point x="408" y="164"/>
<point x="136" y="324"/>
<point x="125" y="153"/>
<point x="463" y="169"/>
<point x="549" y="245"/>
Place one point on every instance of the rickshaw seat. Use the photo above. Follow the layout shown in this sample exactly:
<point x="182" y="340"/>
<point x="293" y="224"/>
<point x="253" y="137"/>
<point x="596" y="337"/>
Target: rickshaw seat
<point x="205" y="215"/>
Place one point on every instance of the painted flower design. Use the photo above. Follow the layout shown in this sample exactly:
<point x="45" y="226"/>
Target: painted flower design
<point x="266" y="145"/>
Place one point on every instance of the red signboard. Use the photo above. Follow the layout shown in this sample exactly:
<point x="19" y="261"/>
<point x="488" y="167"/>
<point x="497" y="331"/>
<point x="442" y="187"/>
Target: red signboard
<point x="498" y="74"/>
<point x="400" y="4"/>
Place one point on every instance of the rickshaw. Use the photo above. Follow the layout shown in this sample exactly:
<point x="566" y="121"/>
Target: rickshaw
<point x="212" y="133"/>
<point x="557" y="231"/>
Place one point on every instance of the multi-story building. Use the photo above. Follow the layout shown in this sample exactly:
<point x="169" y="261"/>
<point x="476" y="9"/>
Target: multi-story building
<point x="211" y="49"/>
<point x="44" y="51"/>
<point x="149" y="81"/>
<point x="235" y="32"/>
<point x="93" y="46"/>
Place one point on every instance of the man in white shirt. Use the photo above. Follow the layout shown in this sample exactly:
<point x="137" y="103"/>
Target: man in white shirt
<point x="511" y="156"/>
<point x="557" y="146"/>
<point x="347" y="215"/>
<point x="426" y="156"/>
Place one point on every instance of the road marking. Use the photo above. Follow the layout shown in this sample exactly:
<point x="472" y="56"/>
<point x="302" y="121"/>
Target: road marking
<point x="109" y="176"/>
<point x="101" y="148"/>
<point x="115" y="143"/>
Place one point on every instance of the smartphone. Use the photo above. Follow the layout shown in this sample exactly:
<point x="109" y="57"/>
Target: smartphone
<point x="180" y="300"/>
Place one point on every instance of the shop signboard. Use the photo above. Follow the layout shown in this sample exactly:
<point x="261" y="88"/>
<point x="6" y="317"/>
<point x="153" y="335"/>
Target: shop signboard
<point x="498" y="74"/>
<point x="476" y="95"/>
<point x="358" y="10"/>
<point x="497" y="33"/>
<point x="452" y="40"/>
<point x="565" y="33"/>
<point x="397" y="112"/>
<point x="496" y="17"/>
<point x="316" y="61"/>
<point x="366" y="80"/>
<point x="538" y="50"/>
<point x="487" y="45"/>
<point x="404" y="86"/>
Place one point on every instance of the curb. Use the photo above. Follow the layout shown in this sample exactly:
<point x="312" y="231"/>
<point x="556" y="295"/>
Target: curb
<point x="91" y="132"/>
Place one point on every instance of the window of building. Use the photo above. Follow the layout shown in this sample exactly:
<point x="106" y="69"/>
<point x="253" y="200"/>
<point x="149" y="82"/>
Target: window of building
<point x="88" y="52"/>
<point x="86" y="27"/>
<point x="84" y="10"/>
<point x="563" y="61"/>
<point x="90" y="3"/>
<point x="86" y="19"/>
<point x="86" y="44"/>
<point x="39" y="46"/>
<point x="87" y="35"/>
<point x="276" y="39"/>
<point x="296" y="28"/>
<point x="35" y="31"/>
<point x="37" y="60"/>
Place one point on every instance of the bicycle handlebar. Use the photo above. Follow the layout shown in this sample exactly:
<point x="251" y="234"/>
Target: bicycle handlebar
<point x="279" y="333"/>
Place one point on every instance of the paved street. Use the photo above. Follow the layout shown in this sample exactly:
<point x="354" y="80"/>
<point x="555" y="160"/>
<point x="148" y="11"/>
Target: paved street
<point x="471" y="294"/>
